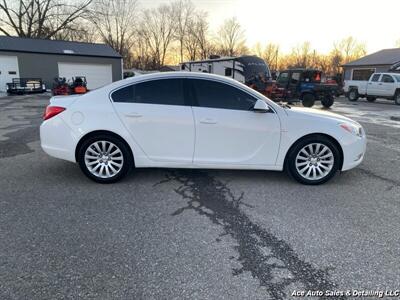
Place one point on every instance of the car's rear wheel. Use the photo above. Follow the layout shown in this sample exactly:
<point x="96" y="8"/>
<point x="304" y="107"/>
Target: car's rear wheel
<point x="313" y="160"/>
<point x="327" y="101"/>
<point x="308" y="100"/>
<point x="371" y="99"/>
<point x="104" y="158"/>
<point x="353" y="95"/>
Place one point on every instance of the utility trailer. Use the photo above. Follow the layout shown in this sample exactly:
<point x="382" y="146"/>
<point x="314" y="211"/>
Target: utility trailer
<point x="20" y="86"/>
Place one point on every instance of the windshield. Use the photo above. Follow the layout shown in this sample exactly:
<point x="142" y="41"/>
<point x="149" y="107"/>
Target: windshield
<point x="254" y="66"/>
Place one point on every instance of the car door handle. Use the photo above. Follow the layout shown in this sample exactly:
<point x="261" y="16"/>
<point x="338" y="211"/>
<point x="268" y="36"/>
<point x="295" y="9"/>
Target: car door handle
<point x="133" y="115"/>
<point x="208" y="121"/>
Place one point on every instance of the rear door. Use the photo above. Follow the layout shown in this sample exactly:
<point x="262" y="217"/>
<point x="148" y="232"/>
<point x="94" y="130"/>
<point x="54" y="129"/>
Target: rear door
<point x="387" y="85"/>
<point x="158" y="119"/>
<point x="228" y="132"/>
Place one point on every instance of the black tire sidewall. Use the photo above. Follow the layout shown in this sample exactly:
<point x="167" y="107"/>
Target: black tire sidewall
<point x="308" y="100"/>
<point x="127" y="164"/>
<point x="397" y="98"/>
<point x="327" y="101"/>
<point x="291" y="159"/>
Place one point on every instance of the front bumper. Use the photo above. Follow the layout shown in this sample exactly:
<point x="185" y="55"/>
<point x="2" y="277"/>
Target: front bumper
<point x="354" y="152"/>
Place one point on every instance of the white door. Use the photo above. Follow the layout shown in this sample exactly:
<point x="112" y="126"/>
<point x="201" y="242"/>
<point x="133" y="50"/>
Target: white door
<point x="96" y="75"/>
<point x="387" y="85"/>
<point x="8" y="70"/>
<point x="373" y="85"/>
<point x="228" y="131"/>
<point x="158" y="119"/>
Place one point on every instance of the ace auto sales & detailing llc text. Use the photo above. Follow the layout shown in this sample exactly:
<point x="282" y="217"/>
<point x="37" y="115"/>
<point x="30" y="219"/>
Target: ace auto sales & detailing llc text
<point x="349" y="293"/>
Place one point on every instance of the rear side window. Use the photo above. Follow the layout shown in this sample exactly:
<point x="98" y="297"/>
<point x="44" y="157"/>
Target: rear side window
<point x="219" y="95"/>
<point x="163" y="91"/>
<point x="376" y="77"/>
<point x="387" y="78"/>
<point x="123" y="95"/>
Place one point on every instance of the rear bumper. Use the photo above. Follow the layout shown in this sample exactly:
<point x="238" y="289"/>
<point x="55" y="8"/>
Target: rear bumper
<point x="57" y="139"/>
<point x="354" y="152"/>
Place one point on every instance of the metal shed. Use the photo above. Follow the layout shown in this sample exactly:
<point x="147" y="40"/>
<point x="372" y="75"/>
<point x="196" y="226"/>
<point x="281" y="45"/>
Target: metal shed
<point x="382" y="61"/>
<point x="47" y="59"/>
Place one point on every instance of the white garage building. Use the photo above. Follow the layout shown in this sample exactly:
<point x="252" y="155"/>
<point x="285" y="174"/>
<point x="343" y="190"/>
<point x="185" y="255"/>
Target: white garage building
<point x="47" y="59"/>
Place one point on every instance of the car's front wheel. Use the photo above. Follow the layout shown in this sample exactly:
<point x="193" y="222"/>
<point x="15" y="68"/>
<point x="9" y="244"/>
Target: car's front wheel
<point x="104" y="158"/>
<point x="313" y="160"/>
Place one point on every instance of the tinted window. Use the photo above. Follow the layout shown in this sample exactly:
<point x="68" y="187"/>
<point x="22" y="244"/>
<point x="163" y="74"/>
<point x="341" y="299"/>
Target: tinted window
<point x="218" y="95"/>
<point x="376" y="77"/>
<point x="123" y="95"/>
<point x="163" y="91"/>
<point x="387" y="78"/>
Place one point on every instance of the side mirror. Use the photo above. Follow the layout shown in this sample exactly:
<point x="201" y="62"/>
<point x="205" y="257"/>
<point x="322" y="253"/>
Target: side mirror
<point x="261" y="106"/>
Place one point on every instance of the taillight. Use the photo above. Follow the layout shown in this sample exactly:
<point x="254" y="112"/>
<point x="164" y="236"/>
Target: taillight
<point x="52" y="111"/>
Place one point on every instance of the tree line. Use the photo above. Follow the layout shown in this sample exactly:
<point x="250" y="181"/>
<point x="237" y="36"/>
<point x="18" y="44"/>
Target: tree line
<point x="153" y="37"/>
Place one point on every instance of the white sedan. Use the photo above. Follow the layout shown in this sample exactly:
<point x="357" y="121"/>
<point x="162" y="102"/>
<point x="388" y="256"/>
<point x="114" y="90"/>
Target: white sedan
<point x="196" y="120"/>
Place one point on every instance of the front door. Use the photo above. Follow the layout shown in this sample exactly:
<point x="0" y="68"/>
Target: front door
<point x="228" y="131"/>
<point x="158" y="119"/>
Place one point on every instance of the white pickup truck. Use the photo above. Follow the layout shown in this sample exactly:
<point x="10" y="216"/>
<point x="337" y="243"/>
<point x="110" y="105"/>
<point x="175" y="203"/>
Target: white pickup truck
<point x="379" y="85"/>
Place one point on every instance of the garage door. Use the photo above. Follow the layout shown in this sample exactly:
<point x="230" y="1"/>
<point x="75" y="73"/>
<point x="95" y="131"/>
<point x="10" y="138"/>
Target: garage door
<point x="96" y="75"/>
<point x="8" y="70"/>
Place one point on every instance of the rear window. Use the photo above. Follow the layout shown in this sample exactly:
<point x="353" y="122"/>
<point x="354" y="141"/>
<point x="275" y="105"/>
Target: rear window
<point x="163" y="91"/>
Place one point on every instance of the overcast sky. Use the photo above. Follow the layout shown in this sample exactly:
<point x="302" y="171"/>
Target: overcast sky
<point x="321" y="22"/>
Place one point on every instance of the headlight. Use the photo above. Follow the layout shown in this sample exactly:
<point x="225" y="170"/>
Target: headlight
<point x="352" y="128"/>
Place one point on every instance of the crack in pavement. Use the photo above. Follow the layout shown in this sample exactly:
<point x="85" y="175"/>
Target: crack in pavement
<point x="260" y="252"/>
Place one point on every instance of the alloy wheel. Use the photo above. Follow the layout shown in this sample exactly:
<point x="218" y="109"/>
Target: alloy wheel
<point x="314" y="161"/>
<point x="104" y="159"/>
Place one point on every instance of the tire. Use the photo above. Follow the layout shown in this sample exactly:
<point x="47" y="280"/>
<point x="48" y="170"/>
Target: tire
<point x="397" y="98"/>
<point x="371" y="99"/>
<point x="353" y="95"/>
<point x="327" y="101"/>
<point x="96" y="162"/>
<point x="301" y="161"/>
<point x="308" y="100"/>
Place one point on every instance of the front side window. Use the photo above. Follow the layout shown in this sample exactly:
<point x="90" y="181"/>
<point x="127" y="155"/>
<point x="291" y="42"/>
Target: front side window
<point x="283" y="78"/>
<point x="387" y="78"/>
<point x="375" y="78"/>
<point x="162" y="91"/>
<point x="219" y="95"/>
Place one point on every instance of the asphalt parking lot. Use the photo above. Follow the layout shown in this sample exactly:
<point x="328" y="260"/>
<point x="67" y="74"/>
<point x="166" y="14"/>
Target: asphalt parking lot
<point x="182" y="234"/>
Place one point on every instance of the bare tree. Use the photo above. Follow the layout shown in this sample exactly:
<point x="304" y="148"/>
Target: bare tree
<point x="197" y="41"/>
<point x="115" y="21"/>
<point x="231" y="38"/>
<point x="183" y="12"/>
<point x="40" y="18"/>
<point x="301" y="55"/>
<point x="269" y="54"/>
<point x="158" y="28"/>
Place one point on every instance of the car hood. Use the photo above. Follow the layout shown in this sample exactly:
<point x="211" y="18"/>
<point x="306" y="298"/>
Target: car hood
<point x="317" y="113"/>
